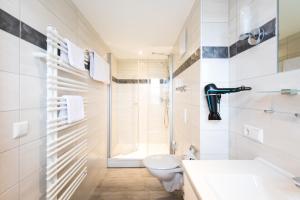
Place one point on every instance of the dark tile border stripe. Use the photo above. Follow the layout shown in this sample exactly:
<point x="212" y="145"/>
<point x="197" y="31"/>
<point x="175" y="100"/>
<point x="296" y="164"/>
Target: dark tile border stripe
<point x="114" y="79"/>
<point x="189" y="62"/>
<point x="9" y="23"/>
<point x="136" y="81"/>
<point x="243" y="45"/>
<point x="20" y="29"/>
<point x="33" y="36"/>
<point x="214" y="52"/>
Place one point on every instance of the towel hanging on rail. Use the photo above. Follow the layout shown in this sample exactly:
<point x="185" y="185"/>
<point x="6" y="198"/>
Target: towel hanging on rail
<point x="99" y="68"/>
<point x="75" y="55"/>
<point x="75" y="108"/>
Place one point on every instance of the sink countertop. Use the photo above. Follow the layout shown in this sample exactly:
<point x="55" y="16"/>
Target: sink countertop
<point x="239" y="180"/>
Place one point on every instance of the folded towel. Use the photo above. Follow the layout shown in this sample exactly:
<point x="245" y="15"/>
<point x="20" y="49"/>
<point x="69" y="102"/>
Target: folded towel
<point x="75" y="108"/>
<point x="99" y="68"/>
<point x="75" y="55"/>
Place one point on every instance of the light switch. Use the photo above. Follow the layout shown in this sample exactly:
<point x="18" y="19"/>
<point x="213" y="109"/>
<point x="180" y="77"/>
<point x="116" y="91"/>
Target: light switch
<point x="254" y="133"/>
<point x="20" y="129"/>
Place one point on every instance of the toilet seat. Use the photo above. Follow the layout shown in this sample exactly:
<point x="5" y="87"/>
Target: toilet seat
<point x="162" y="162"/>
<point x="167" y="168"/>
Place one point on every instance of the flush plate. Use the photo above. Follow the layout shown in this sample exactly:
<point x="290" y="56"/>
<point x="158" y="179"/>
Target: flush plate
<point x="254" y="133"/>
<point x="20" y="129"/>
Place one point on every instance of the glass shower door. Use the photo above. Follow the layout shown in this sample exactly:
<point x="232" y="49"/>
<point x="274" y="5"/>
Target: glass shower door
<point x="125" y="117"/>
<point x="140" y="115"/>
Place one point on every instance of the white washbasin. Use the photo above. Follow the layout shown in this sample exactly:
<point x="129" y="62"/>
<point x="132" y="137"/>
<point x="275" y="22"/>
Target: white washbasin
<point x="239" y="180"/>
<point x="246" y="187"/>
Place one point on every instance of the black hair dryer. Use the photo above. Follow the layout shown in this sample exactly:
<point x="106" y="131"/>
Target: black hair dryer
<point x="213" y="97"/>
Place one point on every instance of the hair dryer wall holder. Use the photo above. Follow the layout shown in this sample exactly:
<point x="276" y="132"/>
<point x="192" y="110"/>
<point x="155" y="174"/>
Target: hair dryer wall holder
<point x="213" y="97"/>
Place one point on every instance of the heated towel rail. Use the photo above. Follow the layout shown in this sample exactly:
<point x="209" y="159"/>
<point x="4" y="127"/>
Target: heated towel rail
<point x="66" y="143"/>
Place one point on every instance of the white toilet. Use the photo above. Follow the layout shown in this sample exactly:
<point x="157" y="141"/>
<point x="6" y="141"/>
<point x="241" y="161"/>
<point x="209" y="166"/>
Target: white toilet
<point x="167" y="168"/>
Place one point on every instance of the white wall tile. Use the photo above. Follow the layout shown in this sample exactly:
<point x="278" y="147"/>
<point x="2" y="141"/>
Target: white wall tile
<point x="9" y="91"/>
<point x="9" y="165"/>
<point x="29" y="9"/>
<point x="6" y="122"/>
<point x="33" y="186"/>
<point x="37" y="124"/>
<point x="214" y="10"/>
<point x="32" y="157"/>
<point x="214" y="70"/>
<point x="9" y="52"/>
<point x="29" y="64"/>
<point x="253" y="14"/>
<point x="215" y="34"/>
<point x="32" y="92"/>
<point x="11" y="6"/>
<point x="64" y="11"/>
<point x="11" y="194"/>
<point x="233" y="37"/>
<point x="232" y="8"/>
<point x="214" y="142"/>
<point x="257" y="61"/>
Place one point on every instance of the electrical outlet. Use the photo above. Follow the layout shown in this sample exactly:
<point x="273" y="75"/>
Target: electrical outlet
<point x="20" y="129"/>
<point x="254" y="133"/>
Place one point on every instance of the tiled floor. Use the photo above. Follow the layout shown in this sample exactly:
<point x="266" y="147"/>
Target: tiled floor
<point x="131" y="184"/>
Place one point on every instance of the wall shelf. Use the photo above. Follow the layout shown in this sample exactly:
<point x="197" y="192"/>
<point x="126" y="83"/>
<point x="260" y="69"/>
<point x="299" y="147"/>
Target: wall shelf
<point x="288" y="92"/>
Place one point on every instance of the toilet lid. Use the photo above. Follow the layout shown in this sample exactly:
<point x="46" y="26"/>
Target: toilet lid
<point x="161" y="162"/>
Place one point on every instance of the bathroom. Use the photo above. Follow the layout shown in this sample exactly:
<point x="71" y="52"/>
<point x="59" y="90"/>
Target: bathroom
<point x="193" y="99"/>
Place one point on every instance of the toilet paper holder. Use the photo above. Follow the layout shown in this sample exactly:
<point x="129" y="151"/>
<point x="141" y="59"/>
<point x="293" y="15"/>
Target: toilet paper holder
<point x="190" y="154"/>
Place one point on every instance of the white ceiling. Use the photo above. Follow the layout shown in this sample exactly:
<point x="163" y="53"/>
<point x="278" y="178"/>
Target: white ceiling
<point x="131" y="26"/>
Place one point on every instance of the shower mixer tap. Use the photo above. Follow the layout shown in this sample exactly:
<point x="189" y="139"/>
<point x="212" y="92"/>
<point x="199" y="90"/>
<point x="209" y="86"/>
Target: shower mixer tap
<point x="213" y="97"/>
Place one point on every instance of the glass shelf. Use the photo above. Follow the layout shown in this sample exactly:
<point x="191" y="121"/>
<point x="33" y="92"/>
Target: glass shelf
<point x="289" y="92"/>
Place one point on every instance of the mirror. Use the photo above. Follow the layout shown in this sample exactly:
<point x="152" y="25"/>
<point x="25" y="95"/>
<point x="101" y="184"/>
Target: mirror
<point x="289" y="35"/>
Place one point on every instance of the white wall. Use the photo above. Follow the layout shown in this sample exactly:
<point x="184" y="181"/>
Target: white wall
<point x="256" y="68"/>
<point x="23" y="97"/>
<point x="214" y="33"/>
<point x="187" y="133"/>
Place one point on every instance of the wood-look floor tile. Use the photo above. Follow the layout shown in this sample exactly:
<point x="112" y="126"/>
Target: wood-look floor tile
<point x="131" y="184"/>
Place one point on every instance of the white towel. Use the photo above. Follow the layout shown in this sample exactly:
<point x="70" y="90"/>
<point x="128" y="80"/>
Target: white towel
<point x="75" y="55"/>
<point x="99" y="68"/>
<point x="75" y="108"/>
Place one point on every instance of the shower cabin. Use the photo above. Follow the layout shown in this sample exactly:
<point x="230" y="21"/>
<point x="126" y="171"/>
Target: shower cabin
<point x="140" y="111"/>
